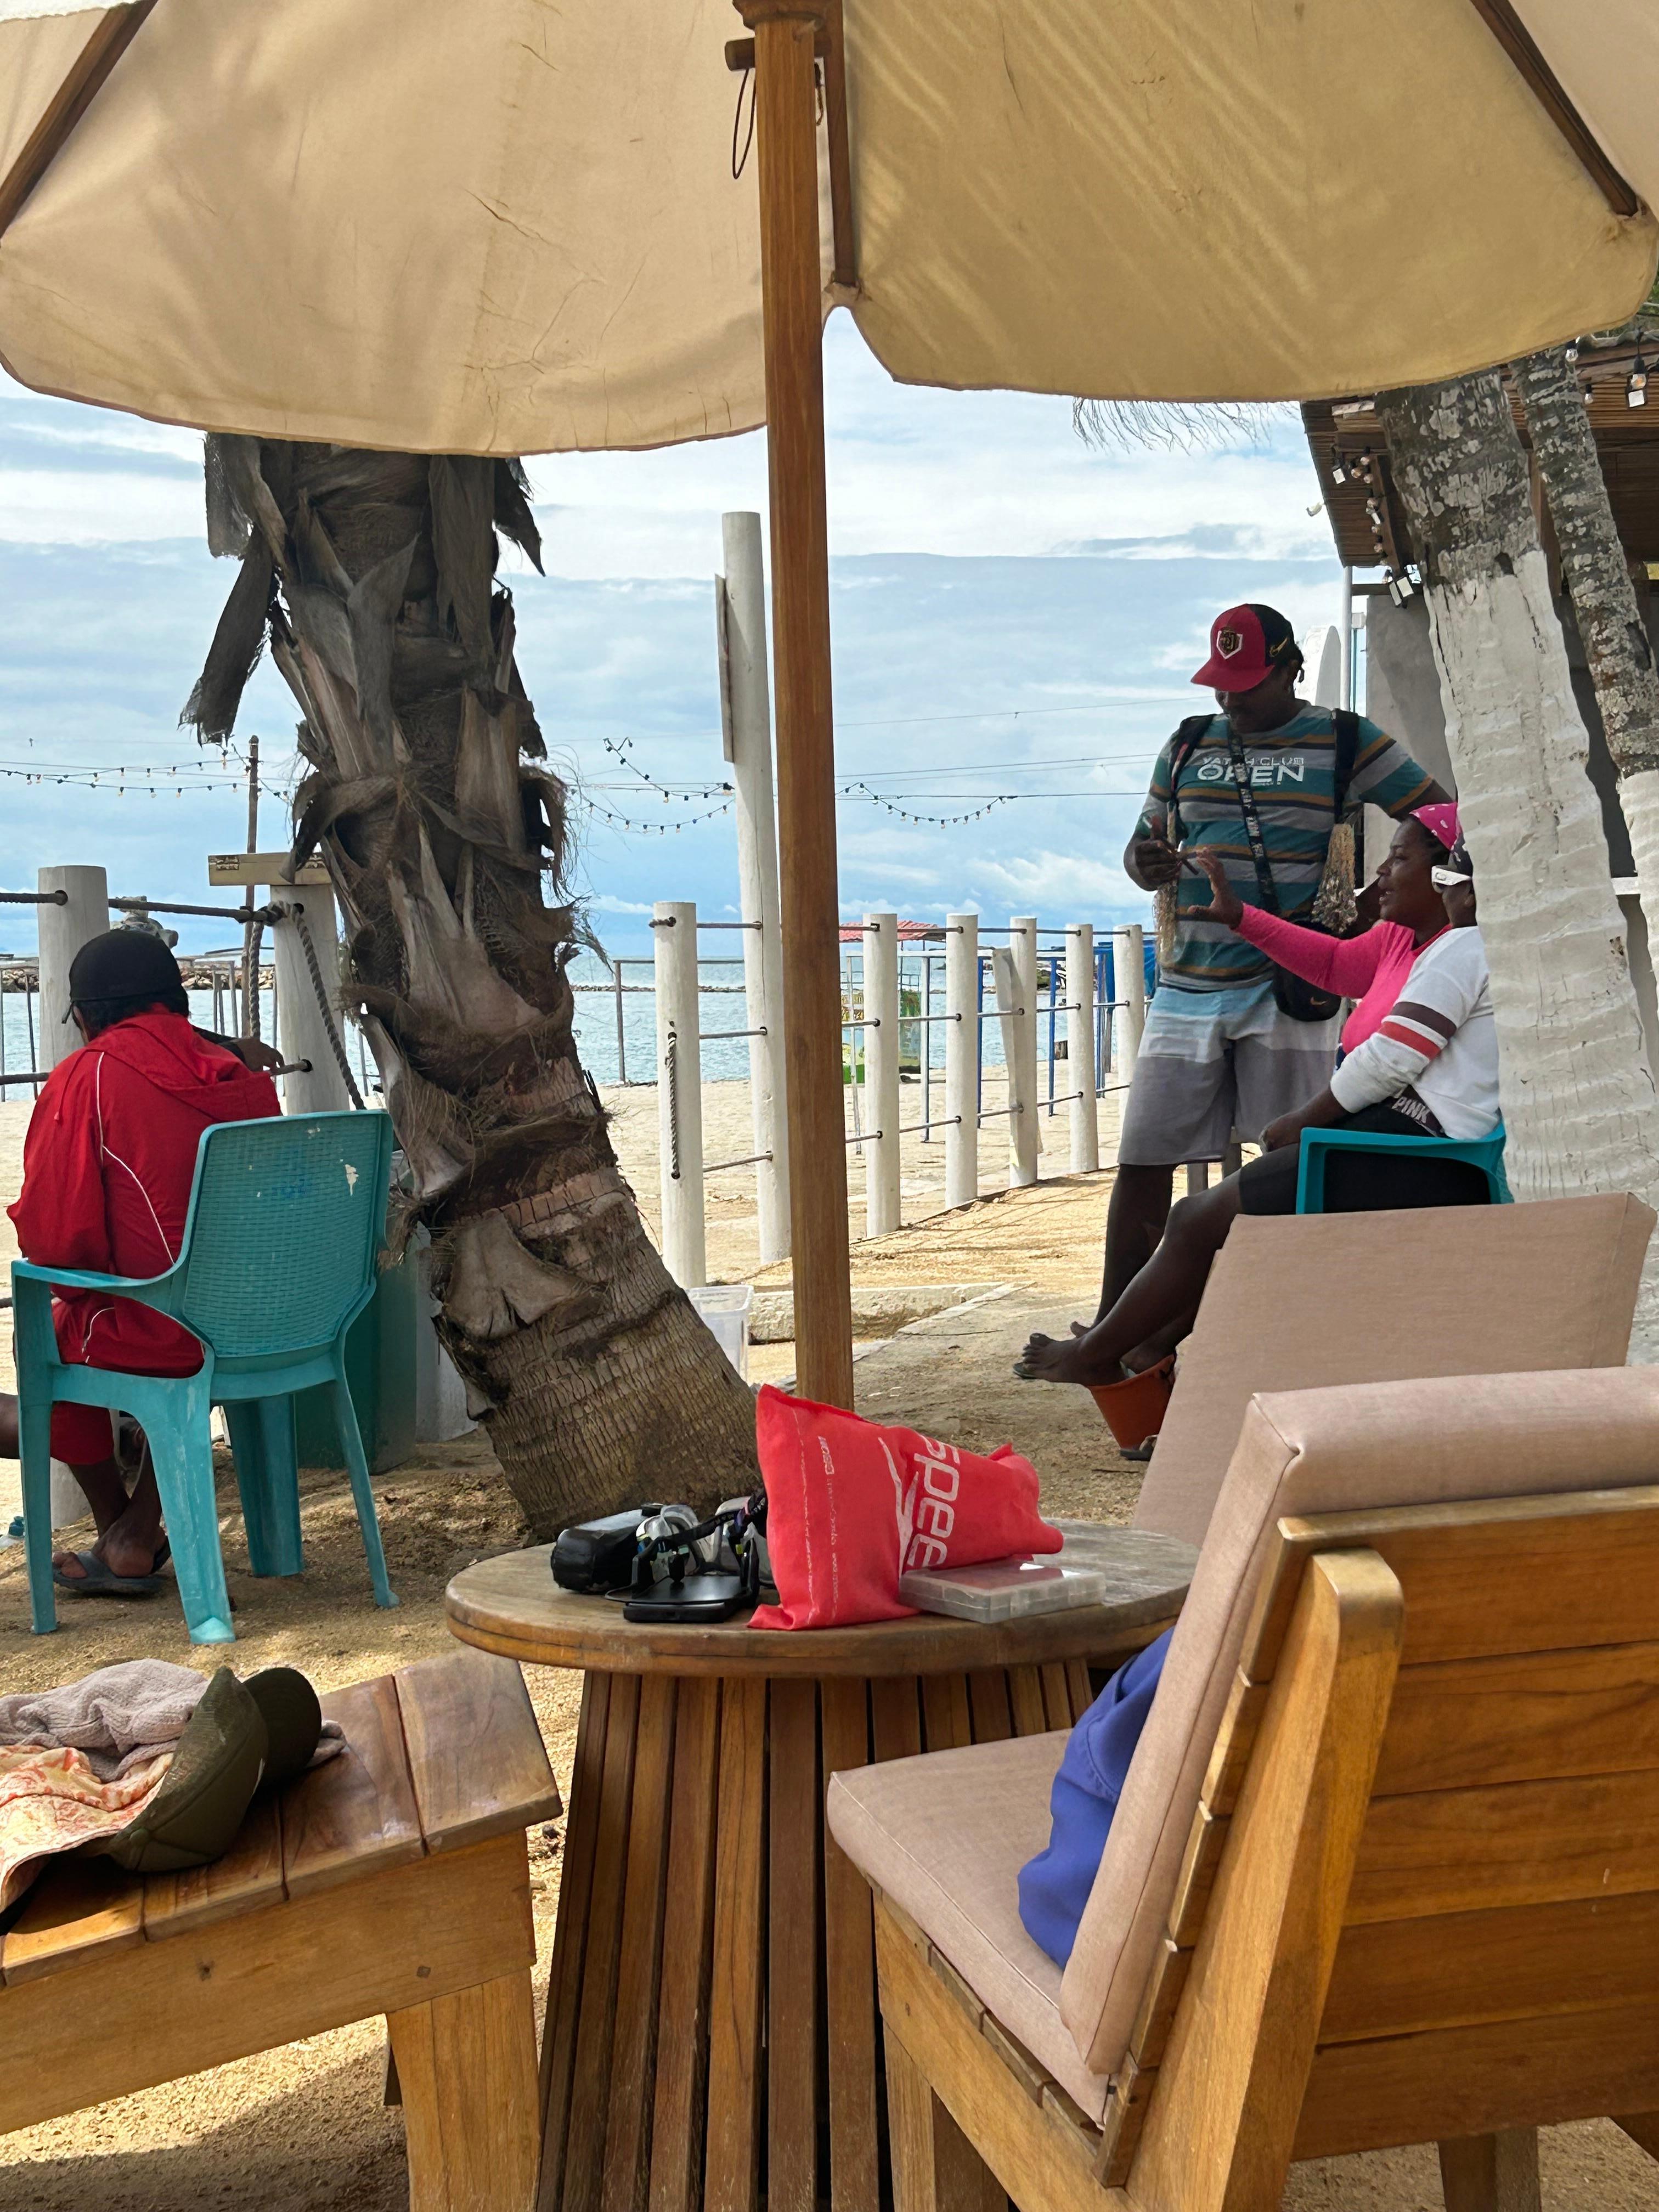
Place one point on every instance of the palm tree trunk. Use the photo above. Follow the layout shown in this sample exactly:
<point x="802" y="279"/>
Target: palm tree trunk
<point x="371" y="575"/>
<point x="1579" y="1098"/>
<point x="1616" y="643"/>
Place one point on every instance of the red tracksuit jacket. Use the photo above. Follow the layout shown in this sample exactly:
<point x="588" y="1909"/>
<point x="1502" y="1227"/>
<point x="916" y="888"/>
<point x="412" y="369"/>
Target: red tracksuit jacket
<point x="108" y="1166"/>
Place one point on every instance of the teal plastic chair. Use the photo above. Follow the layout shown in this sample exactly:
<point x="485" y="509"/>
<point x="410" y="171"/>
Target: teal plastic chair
<point x="1485" y="1153"/>
<point x="286" y="1220"/>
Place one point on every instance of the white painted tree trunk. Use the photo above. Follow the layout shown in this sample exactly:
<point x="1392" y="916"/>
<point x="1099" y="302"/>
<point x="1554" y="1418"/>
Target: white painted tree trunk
<point x="1578" y="1098"/>
<point x="1604" y="603"/>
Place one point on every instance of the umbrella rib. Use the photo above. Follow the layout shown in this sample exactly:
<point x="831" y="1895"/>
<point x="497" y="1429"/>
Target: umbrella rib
<point x="113" y="34"/>
<point x="840" y="164"/>
<point x="1512" y="34"/>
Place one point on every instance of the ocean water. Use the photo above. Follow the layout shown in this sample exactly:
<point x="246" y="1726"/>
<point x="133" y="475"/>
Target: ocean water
<point x="616" y="1034"/>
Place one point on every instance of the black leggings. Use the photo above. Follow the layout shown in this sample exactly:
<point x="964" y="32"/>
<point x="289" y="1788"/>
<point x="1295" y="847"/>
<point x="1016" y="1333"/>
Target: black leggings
<point x="1364" y="1182"/>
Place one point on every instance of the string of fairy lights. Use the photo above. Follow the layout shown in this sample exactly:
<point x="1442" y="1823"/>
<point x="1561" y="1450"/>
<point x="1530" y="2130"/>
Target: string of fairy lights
<point x="685" y="804"/>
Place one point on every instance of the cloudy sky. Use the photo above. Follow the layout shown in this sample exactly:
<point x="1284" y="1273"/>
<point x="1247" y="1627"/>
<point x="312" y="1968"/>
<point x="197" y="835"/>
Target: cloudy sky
<point x="1014" y="613"/>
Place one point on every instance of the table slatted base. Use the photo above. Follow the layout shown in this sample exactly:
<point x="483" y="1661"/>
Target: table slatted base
<point x="712" y="2023"/>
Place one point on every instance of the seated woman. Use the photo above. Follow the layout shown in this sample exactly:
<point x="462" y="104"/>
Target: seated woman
<point x="1422" y="1060"/>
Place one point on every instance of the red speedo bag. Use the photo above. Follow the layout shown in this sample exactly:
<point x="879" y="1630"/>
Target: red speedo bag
<point x="851" y="1504"/>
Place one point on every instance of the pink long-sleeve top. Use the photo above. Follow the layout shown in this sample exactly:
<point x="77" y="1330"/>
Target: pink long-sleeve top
<point x="1371" y="968"/>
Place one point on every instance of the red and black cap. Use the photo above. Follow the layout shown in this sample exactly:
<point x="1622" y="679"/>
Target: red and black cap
<point x="1247" y="643"/>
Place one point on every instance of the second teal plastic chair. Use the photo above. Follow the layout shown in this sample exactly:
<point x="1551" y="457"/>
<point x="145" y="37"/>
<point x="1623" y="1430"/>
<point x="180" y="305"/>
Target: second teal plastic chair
<point x="1485" y="1153"/>
<point x="286" y="1220"/>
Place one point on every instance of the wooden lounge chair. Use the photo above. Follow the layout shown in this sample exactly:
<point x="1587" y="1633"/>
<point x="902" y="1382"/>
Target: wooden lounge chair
<point x="1386" y="1865"/>
<point x="1295" y="1304"/>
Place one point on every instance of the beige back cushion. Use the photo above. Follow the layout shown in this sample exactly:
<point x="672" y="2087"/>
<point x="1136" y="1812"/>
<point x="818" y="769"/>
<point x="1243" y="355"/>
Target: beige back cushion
<point x="1373" y="1297"/>
<point x="1321" y="1451"/>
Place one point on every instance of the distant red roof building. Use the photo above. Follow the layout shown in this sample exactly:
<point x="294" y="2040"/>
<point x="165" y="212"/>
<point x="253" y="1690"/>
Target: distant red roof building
<point x="909" y="932"/>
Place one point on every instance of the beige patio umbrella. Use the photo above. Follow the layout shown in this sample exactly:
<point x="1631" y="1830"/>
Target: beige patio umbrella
<point x="514" y="227"/>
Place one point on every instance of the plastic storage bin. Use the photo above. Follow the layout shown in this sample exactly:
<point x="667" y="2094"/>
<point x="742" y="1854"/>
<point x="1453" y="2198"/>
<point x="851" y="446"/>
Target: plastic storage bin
<point x="379" y="1362"/>
<point x="723" y="1308"/>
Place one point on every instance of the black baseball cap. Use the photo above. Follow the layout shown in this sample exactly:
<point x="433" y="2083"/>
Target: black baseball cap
<point x="123" y="963"/>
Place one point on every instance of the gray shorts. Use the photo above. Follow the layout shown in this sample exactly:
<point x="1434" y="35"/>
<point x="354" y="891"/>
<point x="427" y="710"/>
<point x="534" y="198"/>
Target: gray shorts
<point x="1213" y="1061"/>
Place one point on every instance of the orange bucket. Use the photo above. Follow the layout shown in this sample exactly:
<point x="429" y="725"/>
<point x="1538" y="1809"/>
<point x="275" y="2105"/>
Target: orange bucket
<point x="1134" y="1409"/>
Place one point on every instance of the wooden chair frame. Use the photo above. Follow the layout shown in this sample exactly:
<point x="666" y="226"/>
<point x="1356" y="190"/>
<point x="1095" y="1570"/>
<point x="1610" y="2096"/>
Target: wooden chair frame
<point x="1419" y="1900"/>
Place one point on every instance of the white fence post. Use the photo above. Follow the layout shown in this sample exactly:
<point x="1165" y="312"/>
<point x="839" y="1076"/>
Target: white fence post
<point x="679" y="1091"/>
<point x="746" y="712"/>
<point x="1080" y="1046"/>
<point x="1131" y="967"/>
<point x="303" y="1027"/>
<point x="63" y="930"/>
<point x="961" y="1059"/>
<point x="881" y="1064"/>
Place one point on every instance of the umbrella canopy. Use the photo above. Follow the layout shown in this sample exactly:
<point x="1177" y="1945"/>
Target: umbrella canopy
<point x="513" y="228"/>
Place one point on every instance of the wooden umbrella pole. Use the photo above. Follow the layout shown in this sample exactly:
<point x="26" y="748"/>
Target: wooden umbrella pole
<point x="785" y="131"/>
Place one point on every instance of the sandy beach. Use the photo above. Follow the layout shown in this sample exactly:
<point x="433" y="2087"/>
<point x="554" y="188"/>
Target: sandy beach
<point x="946" y="1300"/>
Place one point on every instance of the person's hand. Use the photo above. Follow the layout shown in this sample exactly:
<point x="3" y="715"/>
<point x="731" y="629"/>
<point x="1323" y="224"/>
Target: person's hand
<point x="1225" y="905"/>
<point x="1285" y="1131"/>
<point x="1156" y="861"/>
<point x="254" y="1053"/>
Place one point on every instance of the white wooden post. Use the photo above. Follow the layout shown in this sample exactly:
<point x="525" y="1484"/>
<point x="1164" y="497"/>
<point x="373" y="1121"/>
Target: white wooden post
<point x="746" y="715"/>
<point x="1131" y="967"/>
<point x="961" y="1059"/>
<point x="1080" y="1046"/>
<point x="1019" y="1048"/>
<point x="63" y="930"/>
<point x="881" y="1062"/>
<point x="304" y="1030"/>
<point x="679" y="1091"/>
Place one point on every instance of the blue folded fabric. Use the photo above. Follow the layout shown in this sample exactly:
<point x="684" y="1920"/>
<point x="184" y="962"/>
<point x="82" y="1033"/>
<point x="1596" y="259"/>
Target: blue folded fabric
<point x="1055" y="1886"/>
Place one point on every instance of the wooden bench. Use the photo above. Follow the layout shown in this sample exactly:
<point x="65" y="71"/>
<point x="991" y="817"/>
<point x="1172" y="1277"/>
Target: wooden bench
<point x="393" y="1878"/>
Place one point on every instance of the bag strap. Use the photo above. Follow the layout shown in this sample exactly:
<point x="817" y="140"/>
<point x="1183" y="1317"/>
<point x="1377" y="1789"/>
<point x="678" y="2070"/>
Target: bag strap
<point x="1264" y="874"/>
<point x="1347" y="727"/>
<point x="1189" y="735"/>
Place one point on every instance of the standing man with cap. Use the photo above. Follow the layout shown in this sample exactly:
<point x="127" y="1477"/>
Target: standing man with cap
<point x="1262" y="786"/>
<point x="108" y="1163"/>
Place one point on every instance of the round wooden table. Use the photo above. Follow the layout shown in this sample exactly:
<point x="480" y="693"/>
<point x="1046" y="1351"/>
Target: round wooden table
<point x="712" y="1999"/>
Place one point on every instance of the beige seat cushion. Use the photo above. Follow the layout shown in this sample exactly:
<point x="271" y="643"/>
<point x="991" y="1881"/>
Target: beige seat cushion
<point x="1297" y="1304"/>
<point x="946" y="1836"/>
<point x="1322" y="1451"/>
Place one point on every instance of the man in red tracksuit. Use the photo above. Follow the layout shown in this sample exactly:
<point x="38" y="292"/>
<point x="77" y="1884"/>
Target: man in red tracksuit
<point x="107" y="1167"/>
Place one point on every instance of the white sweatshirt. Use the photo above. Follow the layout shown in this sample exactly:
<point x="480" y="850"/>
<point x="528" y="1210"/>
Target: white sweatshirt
<point x="1438" y="1039"/>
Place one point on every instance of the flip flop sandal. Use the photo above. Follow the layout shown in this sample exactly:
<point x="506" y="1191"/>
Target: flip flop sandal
<point x="96" y="1580"/>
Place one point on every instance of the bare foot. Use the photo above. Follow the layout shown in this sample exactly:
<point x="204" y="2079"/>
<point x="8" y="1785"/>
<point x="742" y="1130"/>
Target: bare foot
<point x="128" y="1548"/>
<point x="1066" y="1359"/>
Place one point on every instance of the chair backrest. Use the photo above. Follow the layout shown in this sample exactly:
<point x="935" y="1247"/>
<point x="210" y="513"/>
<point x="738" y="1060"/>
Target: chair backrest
<point x="287" y="1217"/>
<point x="1461" y="1439"/>
<point x="1299" y="1304"/>
<point x="1501" y="1933"/>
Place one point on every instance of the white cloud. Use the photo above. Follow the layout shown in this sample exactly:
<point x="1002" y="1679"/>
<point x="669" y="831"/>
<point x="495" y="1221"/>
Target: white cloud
<point x="96" y="506"/>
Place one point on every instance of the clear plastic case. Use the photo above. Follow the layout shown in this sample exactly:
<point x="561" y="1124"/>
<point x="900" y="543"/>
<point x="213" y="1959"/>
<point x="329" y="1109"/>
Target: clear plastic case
<point x="1002" y="1589"/>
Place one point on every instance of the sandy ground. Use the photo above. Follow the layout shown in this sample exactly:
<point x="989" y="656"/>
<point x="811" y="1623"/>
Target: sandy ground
<point x="304" y="2128"/>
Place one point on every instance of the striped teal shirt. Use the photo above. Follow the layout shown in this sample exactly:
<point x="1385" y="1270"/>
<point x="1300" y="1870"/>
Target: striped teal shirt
<point x="1293" y="783"/>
